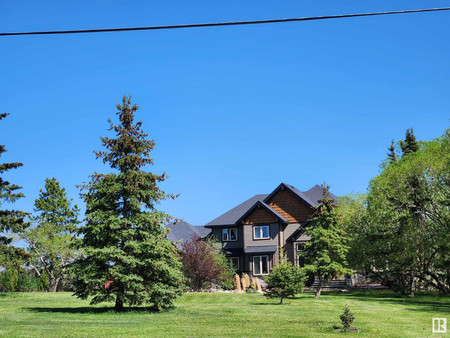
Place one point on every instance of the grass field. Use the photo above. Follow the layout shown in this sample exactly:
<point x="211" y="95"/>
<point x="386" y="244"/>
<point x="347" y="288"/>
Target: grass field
<point x="223" y="314"/>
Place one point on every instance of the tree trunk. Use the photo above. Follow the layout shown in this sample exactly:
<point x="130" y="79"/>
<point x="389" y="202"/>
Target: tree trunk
<point x="281" y="300"/>
<point x="319" y="286"/>
<point x="119" y="303"/>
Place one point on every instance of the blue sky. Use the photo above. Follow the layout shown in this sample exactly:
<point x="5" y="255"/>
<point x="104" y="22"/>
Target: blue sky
<point x="234" y="111"/>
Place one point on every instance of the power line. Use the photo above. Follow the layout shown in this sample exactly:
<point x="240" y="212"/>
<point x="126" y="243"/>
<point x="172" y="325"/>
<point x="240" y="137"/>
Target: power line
<point x="230" y="23"/>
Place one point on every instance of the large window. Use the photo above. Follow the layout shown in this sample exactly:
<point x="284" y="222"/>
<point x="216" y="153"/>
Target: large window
<point x="229" y="234"/>
<point x="261" y="232"/>
<point x="234" y="263"/>
<point x="261" y="265"/>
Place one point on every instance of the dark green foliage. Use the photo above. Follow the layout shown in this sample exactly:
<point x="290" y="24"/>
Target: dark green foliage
<point x="22" y="280"/>
<point x="285" y="280"/>
<point x="347" y="318"/>
<point x="409" y="145"/>
<point x="325" y="255"/>
<point x="50" y="239"/>
<point x="392" y="156"/>
<point x="127" y="257"/>
<point x="11" y="278"/>
<point x="11" y="221"/>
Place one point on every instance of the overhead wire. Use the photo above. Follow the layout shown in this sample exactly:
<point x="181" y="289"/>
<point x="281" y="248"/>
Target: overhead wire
<point x="216" y="24"/>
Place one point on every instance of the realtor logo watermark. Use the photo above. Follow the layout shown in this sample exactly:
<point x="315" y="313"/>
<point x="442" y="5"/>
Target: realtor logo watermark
<point x="439" y="325"/>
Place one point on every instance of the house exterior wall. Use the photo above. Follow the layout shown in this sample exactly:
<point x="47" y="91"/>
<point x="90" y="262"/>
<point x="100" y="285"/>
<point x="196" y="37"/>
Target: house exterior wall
<point x="217" y="233"/>
<point x="290" y="206"/>
<point x="260" y="216"/>
<point x="250" y="241"/>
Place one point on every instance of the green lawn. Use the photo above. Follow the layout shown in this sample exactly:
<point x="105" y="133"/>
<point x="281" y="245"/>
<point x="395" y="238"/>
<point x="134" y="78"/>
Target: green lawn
<point x="221" y="314"/>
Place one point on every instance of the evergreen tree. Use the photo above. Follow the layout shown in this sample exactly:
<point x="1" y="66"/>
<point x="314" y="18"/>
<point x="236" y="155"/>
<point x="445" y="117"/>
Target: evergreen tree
<point x="392" y="157"/>
<point x="50" y="240"/>
<point x="409" y="145"/>
<point x="285" y="280"/>
<point x="11" y="221"/>
<point x="127" y="257"/>
<point x="325" y="254"/>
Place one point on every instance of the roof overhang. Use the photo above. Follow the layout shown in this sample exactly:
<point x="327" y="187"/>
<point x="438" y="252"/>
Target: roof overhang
<point x="260" y="249"/>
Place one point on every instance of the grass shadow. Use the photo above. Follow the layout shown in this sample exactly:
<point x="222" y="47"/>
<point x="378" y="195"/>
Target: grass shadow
<point x="92" y="310"/>
<point x="421" y="302"/>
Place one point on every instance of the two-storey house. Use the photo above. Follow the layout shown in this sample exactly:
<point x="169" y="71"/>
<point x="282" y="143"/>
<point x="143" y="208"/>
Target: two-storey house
<point x="252" y="233"/>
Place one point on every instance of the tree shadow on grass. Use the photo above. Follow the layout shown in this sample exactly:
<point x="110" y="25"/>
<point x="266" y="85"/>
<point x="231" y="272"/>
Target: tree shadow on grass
<point x="92" y="310"/>
<point x="428" y="303"/>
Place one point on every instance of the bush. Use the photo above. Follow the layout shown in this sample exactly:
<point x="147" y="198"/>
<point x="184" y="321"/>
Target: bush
<point x="285" y="280"/>
<point x="15" y="280"/>
<point x="203" y="264"/>
<point x="347" y="318"/>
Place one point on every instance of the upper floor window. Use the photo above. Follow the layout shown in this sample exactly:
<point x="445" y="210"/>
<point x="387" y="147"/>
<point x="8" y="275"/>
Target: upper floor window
<point x="261" y="232"/>
<point x="229" y="234"/>
<point x="300" y="246"/>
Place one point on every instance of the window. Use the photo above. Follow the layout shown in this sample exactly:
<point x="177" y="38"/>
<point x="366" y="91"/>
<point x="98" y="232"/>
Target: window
<point x="229" y="234"/>
<point x="300" y="246"/>
<point x="261" y="265"/>
<point x="234" y="263"/>
<point x="298" y="256"/>
<point x="261" y="232"/>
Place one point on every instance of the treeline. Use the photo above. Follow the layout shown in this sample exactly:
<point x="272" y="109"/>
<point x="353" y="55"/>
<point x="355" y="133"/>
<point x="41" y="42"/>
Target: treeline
<point x="399" y="231"/>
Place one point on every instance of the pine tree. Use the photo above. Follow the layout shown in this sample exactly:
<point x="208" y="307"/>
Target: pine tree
<point x="325" y="254"/>
<point x="409" y="145"/>
<point x="392" y="157"/>
<point x="50" y="240"/>
<point x="12" y="221"/>
<point x="127" y="256"/>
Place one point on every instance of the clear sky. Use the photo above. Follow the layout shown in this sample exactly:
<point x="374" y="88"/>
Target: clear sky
<point x="234" y="111"/>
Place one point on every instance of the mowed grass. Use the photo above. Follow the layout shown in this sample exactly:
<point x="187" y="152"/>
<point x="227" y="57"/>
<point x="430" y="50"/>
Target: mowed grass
<point x="223" y="314"/>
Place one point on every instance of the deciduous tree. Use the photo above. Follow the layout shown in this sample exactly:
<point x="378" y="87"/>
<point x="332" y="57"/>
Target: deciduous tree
<point x="204" y="264"/>
<point x="401" y="230"/>
<point x="50" y="240"/>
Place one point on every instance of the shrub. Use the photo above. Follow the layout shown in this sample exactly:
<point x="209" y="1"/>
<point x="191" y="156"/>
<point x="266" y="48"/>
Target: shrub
<point x="347" y="318"/>
<point x="285" y="280"/>
<point x="203" y="264"/>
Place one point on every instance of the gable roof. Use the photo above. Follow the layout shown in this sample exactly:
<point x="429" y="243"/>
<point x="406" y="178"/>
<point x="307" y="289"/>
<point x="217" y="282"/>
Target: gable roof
<point x="310" y="197"/>
<point x="232" y="216"/>
<point x="316" y="193"/>
<point x="266" y="207"/>
<point x="183" y="231"/>
<point x="294" y="190"/>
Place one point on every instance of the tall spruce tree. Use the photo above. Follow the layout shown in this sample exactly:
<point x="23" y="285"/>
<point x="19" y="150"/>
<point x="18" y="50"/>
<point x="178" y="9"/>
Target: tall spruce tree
<point x="392" y="156"/>
<point x="409" y="145"/>
<point x="51" y="240"/>
<point x="325" y="255"/>
<point x="127" y="257"/>
<point x="12" y="221"/>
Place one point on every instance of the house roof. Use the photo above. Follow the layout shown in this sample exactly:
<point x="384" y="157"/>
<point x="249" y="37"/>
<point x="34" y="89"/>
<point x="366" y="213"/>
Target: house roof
<point x="316" y="193"/>
<point x="265" y="206"/>
<point x="183" y="231"/>
<point x="232" y="216"/>
<point x="294" y="190"/>
<point x="261" y="249"/>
